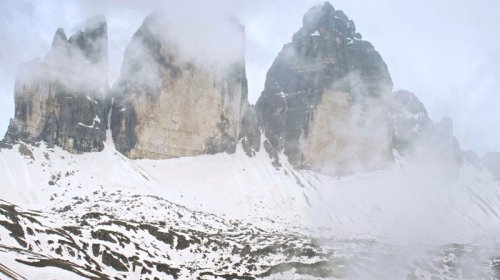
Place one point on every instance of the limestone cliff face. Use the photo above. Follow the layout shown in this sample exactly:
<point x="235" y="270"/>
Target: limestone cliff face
<point x="61" y="100"/>
<point x="168" y="105"/>
<point x="325" y="98"/>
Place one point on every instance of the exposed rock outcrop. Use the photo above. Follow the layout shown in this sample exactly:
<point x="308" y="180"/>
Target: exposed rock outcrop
<point x="325" y="98"/>
<point x="250" y="130"/>
<point x="167" y="104"/>
<point x="414" y="133"/>
<point x="408" y="119"/>
<point x="61" y="100"/>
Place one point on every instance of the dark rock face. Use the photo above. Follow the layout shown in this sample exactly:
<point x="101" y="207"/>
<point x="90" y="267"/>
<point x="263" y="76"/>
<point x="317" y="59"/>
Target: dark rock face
<point x="413" y="132"/>
<point x="408" y="119"/>
<point x="492" y="162"/>
<point x="325" y="77"/>
<point x="250" y="131"/>
<point x="61" y="100"/>
<point x="167" y="104"/>
<point x="123" y="124"/>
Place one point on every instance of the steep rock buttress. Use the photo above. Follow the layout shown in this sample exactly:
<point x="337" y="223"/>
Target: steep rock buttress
<point x="325" y="98"/>
<point x="61" y="100"/>
<point x="168" y="104"/>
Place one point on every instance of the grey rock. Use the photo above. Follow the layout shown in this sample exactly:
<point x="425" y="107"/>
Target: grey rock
<point x="413" y="132"/>
<point x="443" y="141"/>
<point x="408" y="119"/>
<point x="62" y="99"/>
<point x="123" y="123"/>
<point x="250" y="131"/>
<point x="326" y="58"/>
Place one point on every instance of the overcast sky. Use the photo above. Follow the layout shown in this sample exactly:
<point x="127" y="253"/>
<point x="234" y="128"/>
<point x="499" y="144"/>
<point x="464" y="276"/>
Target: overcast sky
<point x="446" y="51"/>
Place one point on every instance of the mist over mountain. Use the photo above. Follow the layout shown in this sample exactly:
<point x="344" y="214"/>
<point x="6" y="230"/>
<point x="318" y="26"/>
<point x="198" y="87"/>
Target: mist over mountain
<point x="170" y="103"/>
<point x="327" y="69"/>
<point x="171" y="173"/>
<point x="61" y="100"/>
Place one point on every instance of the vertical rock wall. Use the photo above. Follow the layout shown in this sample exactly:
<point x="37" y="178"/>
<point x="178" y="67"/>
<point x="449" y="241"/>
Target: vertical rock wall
<point x="168" y="105"/>
<point x="325" y="98"/>
<point x="62" y="99"/>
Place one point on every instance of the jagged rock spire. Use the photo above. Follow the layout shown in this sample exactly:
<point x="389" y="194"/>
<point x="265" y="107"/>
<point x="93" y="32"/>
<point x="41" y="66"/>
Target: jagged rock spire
<point x="62" y="99"/>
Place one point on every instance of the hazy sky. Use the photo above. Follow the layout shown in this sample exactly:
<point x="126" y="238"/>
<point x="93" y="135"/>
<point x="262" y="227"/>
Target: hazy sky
<point x="445" y="51"/>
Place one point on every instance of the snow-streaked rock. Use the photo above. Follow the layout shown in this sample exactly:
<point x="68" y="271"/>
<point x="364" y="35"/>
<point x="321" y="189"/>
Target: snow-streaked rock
<point x="325" y="98"/>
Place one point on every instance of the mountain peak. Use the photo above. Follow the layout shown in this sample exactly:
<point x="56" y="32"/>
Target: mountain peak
<point x="325" y="71"/>
<point x="95" y="22"/>
<point x="324" y="19"/>
<point x="92" y="39"/>
<point x="406" y="100"/>
<point x="59" y="38"/>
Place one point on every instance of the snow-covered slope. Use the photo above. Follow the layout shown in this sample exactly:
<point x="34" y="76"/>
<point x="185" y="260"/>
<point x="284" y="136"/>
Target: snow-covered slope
<point x="365" y="205"/>
<point x="248" y="202"/>
<point x="179" y="243"/>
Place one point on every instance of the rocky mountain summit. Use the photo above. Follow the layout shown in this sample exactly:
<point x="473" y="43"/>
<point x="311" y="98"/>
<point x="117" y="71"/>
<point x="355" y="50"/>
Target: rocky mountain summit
<point x="324" y="103"/>
<point x="168" y="105"/>
<point x="326" y="106"/>
<point x="61" y="100"/>
<point x="327" y="102"/>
